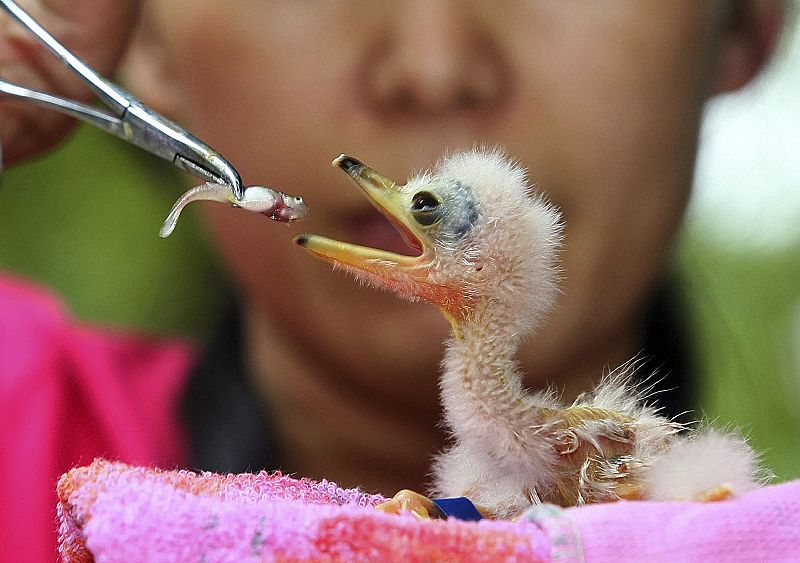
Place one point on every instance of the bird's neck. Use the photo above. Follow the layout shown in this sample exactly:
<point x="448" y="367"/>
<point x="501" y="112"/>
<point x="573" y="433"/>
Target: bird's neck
<point x="482" y="391"/>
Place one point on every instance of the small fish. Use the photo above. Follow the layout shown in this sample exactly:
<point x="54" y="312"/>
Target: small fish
<point x="276" y="205"/>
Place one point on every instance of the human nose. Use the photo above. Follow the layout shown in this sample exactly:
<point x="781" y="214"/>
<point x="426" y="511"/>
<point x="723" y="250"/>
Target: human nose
<point x="435" y="59"/>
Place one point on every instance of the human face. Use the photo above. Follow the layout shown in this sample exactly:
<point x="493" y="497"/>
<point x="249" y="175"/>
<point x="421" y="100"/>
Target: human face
<point x="600" y="100"/>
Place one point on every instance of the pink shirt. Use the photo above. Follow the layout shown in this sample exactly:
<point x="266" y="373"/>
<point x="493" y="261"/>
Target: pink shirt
<point x="70" y="393"/>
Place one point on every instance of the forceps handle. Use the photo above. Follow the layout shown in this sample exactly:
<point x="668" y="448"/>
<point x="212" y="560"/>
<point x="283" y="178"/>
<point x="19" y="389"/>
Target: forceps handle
<point x="110" y="94"/>
<point x="141" y="127"/>
<point x="78" y="110"/>
<point x="129" y="118"/>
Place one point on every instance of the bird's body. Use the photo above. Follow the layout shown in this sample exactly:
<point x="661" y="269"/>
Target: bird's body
<point x="489" y="261"/>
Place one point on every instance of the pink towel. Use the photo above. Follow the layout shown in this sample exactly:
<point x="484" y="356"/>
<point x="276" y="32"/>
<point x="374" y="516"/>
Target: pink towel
<point x="115" y="512"/>
<point x="763" y="525"/>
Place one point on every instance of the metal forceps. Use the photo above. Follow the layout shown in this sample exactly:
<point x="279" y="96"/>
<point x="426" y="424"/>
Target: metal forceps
<point x="127" y="117"/>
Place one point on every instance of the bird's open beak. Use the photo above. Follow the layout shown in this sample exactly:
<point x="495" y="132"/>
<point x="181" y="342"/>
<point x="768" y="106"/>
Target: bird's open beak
<point x="389" y="199"/>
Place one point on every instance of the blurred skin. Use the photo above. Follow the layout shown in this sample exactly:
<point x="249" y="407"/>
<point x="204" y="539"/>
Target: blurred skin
<point x="24" y="131"/>
<point x="600" y="100"/>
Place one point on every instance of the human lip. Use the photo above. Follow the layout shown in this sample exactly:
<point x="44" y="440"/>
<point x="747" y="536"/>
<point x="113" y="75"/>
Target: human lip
<point x="368" y="227"/>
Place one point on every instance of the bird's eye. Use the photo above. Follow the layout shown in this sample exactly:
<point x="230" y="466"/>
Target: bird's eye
<point x="425" y="208"/>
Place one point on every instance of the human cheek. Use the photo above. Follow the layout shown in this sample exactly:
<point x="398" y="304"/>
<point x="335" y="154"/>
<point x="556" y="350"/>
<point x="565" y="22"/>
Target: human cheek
<point x="602" y="96"/>
<point x="267" y="92"/>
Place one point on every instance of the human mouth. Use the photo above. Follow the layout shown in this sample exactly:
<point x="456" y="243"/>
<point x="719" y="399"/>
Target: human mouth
<point x="368" y="227"/>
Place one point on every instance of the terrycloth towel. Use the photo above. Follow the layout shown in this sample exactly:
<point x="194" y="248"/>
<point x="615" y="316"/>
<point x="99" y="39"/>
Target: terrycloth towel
<point x="763" y="525"/>
<point x="117" y="512"/>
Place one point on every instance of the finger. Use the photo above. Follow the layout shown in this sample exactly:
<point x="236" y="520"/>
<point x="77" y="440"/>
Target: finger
<point x="95" y="30"/>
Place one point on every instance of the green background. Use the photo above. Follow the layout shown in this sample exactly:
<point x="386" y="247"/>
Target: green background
<point x="85" y="219"/>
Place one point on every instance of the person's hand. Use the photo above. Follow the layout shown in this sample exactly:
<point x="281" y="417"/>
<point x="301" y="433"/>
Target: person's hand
<point x="95" y="30"/>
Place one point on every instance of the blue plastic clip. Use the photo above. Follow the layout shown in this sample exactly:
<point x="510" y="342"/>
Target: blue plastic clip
<point x="459" y="507"/>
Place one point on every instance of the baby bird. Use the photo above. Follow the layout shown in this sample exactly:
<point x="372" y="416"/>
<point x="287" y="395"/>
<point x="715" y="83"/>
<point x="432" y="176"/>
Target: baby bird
<point x="488" y="257"/>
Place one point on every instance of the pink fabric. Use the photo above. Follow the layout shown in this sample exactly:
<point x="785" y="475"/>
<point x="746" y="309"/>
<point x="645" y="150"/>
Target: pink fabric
<point x="763" y="525"/>
<point x="124" y="513"/>
<point x="67" y="395"/>
<point x="115" y="512"/>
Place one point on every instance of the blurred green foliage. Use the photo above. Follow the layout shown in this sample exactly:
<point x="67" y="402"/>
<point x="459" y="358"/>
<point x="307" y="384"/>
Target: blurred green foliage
<point x="84" y="220"/>
<point x="744" y="306"/>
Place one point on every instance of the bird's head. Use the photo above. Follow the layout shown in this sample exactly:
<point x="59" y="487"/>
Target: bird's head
<point x="483" y="239"/>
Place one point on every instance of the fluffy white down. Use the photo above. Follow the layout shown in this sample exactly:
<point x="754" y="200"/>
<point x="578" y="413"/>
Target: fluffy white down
<point x="702" y="462"/>
<point x="505" y="490"/>
<point x="498" y="456"/>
